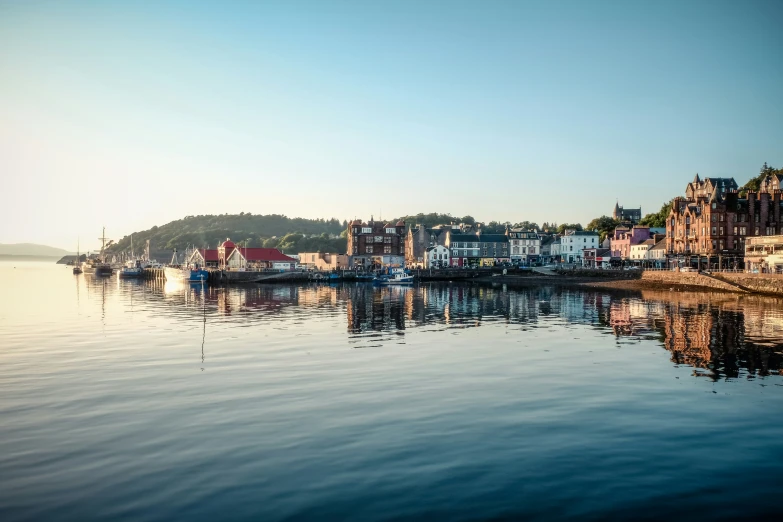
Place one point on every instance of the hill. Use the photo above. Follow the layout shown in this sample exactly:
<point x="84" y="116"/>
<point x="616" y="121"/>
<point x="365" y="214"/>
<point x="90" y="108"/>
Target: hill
<point x="31" y="249"/>
<point x="291" y="235"/>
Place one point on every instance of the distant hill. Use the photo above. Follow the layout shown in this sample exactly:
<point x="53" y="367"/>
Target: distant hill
<point x="276" y="231"/>
<point x="31" y="249"/>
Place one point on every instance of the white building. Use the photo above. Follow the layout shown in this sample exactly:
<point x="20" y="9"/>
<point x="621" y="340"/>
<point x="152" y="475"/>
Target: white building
<point x="656" y="255"/>
<point x="524" y="246"/>
<point x="639" y="252"/>
<point x="436" y="256"/>
<point x="573" y="242"/>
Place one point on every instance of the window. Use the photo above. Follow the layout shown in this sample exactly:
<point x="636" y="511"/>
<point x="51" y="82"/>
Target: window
<point x="713" y="231"/>
<point x="714" y="244"/>
<point x="387" y="249"/>
<point x="721" y="231"/>
<point x="687" y="220"/>
<point x="714" y="205"/>
<point x="390" y="231"/>
<point x="387" y="240"/>
<point x="743" y="231"/>
<point x="757" y="218"/>
<point x="366" y="230"/>
<point x="756" y="231"/>
<point x="368" y="240"/>
<point x="379" y="239"/>
<point x="368" y="249"/>
<point x="735" y="231"/>
<point x="714" y="216"/>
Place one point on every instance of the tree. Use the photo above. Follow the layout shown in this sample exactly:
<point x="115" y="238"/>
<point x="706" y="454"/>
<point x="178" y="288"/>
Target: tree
<point x="754" y="184"/>
<point x="604" y="225"/>
<point x="527" y="225"/>
<point x="565" y="226"/>
<point x="657" y="219"/>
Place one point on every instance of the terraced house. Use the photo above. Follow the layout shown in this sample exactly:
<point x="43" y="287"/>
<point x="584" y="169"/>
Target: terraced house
<point x="375" y="243"/>
<point x="525" y="246"/>
<point x="708" y="227"/>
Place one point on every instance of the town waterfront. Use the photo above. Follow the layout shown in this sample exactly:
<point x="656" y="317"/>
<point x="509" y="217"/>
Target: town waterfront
<point x="137" y="400"/>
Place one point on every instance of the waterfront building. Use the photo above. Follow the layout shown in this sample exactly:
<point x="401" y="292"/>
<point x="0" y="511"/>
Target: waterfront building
<point x="546" y="245"/>
<point x="419" y="239"/>
<point x="764" y="254"/>
<point x="323" y="261"/>
<point x="597" y="257"/>
<point x="630" y="216"/>
<point x="709" y="226"/>
<point x="436" y="256"/>
<point x="257" y="259"/>
<point x="206" y="257"/>
<point x="493" y="248"/>
<point x="639" y="251"/>
<point x="656" y="255"/>
<point x="464" y="248"/>
<point x="625" y="238"/>
<point x="524" y="246"/>
<point x="573" y="242"/>
<point x="376" y="244"/>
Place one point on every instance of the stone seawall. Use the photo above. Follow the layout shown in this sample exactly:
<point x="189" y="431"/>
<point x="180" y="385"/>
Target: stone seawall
<point x="770" y="284"/>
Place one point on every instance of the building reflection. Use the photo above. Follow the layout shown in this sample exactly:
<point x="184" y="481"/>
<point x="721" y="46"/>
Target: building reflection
<point x="721" y="335"/>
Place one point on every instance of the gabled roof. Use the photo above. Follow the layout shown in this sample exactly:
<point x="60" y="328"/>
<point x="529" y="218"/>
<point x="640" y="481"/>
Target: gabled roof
<point x="263" y="254"/>
<point x="209" y="254"/>
<point x="660" y="245"/>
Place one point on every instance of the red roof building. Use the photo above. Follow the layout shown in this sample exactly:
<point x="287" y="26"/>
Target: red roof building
<point x="258" y="258"/>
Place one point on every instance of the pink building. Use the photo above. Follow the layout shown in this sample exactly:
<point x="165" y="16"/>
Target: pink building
<point x="625" y="237"/>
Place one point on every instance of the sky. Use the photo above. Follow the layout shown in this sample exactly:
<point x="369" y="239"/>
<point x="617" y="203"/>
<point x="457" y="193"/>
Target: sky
<point x="133" y="114"/>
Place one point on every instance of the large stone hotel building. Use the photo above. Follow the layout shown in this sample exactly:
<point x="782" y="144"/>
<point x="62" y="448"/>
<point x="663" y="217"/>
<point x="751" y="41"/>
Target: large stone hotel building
<point x="710" y="224"/>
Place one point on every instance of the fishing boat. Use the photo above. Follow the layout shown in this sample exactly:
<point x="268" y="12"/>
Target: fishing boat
<point x="132" y="269"/>
<point x="185" y="273"/>
<point x="102" y="268"/>
<point x="77" y="268"/>
<point x="396" y="276"/>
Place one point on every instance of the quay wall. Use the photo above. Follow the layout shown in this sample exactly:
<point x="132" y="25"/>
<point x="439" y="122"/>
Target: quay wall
<point x="769" y="284"/>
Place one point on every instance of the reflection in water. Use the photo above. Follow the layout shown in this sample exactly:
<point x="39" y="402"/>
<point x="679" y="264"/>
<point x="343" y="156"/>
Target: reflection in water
<point x="358" y="403"/>
<point x="720" y="335"/>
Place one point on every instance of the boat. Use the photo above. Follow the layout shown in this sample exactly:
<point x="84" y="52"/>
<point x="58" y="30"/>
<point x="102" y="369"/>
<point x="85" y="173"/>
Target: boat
<point x="77" y="269"/>
<point x="185" y="273"/>
<point x="396" y="276"/>
<point x="102" y="268"/>
<point x="365" y="278"/>
<point x="132" y="269"/>
<point x="188" y="274"/>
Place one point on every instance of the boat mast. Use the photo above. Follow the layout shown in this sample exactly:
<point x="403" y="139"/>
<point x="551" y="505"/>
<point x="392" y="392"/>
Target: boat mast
<point x="103" y="245"/>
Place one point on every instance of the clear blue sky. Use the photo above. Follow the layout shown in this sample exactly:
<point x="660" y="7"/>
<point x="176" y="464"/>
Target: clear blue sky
<point x="132" y="114"/>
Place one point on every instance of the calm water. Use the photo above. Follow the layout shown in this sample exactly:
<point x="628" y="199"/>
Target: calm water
<point x="135" y="401"/>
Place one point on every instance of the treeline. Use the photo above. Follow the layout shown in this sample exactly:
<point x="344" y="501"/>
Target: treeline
<point x="252" y="230"/>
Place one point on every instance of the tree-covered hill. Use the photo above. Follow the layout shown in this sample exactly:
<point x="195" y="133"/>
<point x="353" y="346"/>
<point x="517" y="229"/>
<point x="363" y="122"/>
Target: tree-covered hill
<point x="277" y="231"/>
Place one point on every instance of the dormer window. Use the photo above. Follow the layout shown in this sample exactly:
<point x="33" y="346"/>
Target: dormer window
<point x="390" y="231"/>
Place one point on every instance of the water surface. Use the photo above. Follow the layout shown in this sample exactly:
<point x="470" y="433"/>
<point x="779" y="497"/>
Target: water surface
<point x="124" y="400"/>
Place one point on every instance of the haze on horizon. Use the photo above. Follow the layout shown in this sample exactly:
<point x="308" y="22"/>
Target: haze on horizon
<point x="133" y="114"/>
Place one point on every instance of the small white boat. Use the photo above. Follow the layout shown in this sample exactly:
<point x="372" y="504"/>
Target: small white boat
<point x="398" y="276"/>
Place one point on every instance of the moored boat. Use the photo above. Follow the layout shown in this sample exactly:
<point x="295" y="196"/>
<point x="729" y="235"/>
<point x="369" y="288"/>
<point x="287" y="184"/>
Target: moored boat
<point x="102" y="268"/>
<point x="397" y="276"/>
<point x="194" y="274"/>
<point x="77" y="265"/>
<point x="132" y="269"/>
